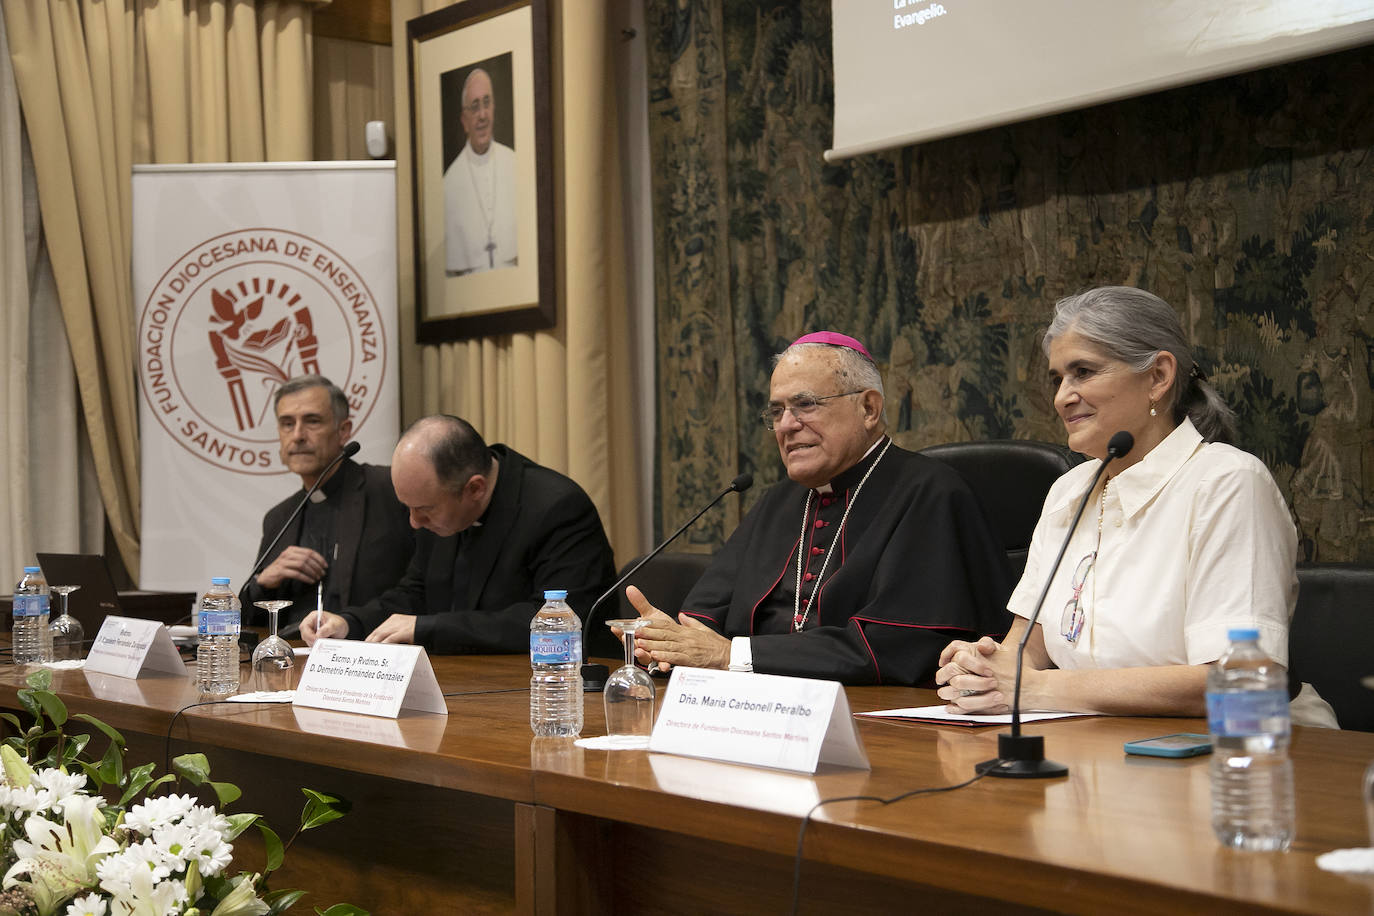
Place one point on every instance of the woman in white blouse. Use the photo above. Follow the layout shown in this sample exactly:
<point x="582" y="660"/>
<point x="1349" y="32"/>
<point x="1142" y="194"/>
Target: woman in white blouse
<point x="1185" y="538"/>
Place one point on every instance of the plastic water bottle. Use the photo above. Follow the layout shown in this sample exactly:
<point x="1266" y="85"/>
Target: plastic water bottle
<point x="217" y="655"/>
<point x="32" y="644"/>
<point x="1252" y="777"/>
<point x="556" y="663"/>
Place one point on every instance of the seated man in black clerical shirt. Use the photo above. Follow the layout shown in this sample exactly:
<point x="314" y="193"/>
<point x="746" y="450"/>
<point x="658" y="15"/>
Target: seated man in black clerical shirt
<point x="352" y="536"/>
<point x="859" y="566"/>
<point x="497" y="529"/>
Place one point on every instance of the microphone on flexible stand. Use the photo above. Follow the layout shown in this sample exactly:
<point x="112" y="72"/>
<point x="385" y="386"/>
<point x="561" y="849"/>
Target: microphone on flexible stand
<point x="594" y="676"/>
<point x="349" y="451"/>
<point x="1023" y="756"/>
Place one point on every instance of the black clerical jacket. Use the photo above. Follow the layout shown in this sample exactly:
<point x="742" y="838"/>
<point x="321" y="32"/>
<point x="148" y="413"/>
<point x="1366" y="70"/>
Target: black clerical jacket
<point x="540" y="531"/>
<point x="914" y="566"/>
<point x="372" y="530"/>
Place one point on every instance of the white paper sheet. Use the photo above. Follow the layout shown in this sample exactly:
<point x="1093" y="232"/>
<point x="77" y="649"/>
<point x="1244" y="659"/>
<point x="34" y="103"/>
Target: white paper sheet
<point x="940" y="714"/>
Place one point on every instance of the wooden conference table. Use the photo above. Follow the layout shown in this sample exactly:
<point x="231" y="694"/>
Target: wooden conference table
<point x="470" y="813"/>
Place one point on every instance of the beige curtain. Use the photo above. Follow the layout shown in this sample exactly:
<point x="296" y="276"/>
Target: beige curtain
<point x="71" y="64"/>
<point x="16" y="548"/>
<point x="223" y="81"/>
<point x="105" y="83"/>
<point x="49" y="501"/>
<point x="354" y="84"/>
<point x="561" y="396"/>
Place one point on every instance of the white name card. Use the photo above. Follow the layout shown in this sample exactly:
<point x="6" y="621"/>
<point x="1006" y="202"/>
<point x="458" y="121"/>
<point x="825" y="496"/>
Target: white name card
<point x="128" y="647"/>
<point x="378" y="679"/>
<point x="789" y="723"/>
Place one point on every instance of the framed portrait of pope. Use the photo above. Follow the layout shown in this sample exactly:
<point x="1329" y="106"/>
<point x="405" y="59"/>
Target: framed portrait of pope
<point x="481" y="169"/>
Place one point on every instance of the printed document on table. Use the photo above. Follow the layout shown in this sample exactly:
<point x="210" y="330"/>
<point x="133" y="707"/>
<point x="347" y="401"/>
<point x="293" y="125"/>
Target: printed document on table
<point x="939" y="715"/>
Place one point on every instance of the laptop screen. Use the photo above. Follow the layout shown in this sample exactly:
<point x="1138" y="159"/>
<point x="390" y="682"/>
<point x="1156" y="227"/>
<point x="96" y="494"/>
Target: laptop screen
<point x="96" y="596"/>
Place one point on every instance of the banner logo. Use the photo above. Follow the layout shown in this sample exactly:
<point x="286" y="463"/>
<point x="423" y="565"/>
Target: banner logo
<point x="235" y="317"/>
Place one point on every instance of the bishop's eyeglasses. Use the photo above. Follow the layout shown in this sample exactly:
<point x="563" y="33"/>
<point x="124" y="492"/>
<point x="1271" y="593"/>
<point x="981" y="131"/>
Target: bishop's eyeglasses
<point x="803" y="407"/>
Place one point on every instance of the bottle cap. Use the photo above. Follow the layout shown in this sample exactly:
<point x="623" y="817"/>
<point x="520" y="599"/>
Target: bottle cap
<point x="555" y="594"/>
<point x="220" y="580"/>
<point x="1242" y="635"/>
<point x="32" y="569"/>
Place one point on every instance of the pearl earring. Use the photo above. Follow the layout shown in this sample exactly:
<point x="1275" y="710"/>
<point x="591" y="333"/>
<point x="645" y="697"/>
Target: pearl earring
<point x="1152" y="410"/>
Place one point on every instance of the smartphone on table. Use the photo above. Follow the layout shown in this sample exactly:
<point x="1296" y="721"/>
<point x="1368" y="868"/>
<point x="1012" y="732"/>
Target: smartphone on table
<point x="1180" y="745"/>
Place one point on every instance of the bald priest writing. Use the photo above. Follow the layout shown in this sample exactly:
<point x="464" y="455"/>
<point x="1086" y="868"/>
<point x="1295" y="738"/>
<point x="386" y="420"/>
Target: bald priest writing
<point x="498" y="528"/>
<point x="856" y="568"/>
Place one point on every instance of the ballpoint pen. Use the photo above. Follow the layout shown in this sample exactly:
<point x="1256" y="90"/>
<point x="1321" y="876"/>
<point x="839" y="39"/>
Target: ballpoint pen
<point x="319" y="591"/>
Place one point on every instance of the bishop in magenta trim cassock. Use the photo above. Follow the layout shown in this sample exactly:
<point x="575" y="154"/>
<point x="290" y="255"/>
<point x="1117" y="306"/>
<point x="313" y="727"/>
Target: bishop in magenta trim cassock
<point x="861" y="566"/>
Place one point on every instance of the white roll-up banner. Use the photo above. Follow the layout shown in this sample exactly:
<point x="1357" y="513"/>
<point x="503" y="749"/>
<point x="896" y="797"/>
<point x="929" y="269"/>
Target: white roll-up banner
<point x="244" y="276"/>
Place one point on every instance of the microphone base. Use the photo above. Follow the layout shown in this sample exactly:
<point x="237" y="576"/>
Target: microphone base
<point x="594" y="678"/>
<point x="1021" y="757"/>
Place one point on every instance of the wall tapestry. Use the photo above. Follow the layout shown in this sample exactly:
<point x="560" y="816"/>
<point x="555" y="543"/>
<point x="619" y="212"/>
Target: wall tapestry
<point x="1247" y="203"/>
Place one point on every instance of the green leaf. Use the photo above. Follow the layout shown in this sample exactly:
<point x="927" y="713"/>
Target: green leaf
<point x="195" y="768"/>
<point x="294" y="894"/>
<point x="111" y="769"/>
<point x="282" y="900"/>
<point x="26" y="700"/>
<point x="272" y="845"/>
<point x="320" y="809"/>
<point x="161" y="780"/>
<point x="217" y="887"/>
<point x="241" y="822"/>
<point x="110" y="732"/>
<point x="138" y="779"/>
<point x="52" y="704"/>
<point x="49" y="740"/>
<point x="325" y="798"/>
<point x="13" y="721"/>
<point x="40" y="679"/>
<point x="342" y="909"/>
<point x="226" y="792"/>
<point x="75" y="745"/>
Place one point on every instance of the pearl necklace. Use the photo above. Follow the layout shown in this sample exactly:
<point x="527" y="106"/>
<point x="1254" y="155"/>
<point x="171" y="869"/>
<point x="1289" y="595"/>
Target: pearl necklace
<point x="798" y="618"/>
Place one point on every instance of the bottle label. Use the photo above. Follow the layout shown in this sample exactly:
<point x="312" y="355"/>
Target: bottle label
<point x="1248" y="712"/>
<point x="30" y="605"/>
<point x="556" y="648"/>
<point x="219" y="623"/>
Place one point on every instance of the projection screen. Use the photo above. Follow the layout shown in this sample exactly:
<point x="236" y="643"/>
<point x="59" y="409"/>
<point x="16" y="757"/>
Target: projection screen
<point x="908" y="71"/>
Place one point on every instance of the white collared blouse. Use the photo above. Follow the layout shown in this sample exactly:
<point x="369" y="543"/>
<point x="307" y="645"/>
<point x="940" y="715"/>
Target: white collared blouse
<point x="1195" y="539"/>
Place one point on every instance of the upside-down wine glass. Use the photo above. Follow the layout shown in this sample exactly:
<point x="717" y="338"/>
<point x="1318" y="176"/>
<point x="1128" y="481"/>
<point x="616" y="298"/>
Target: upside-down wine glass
<point x="274" y="658"/>
<point x="68" y="635"/>
<point x="629" y="693"/>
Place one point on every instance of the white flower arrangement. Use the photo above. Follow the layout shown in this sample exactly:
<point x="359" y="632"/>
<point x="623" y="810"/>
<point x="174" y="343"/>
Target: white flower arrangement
<point x="67" y="851"/>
